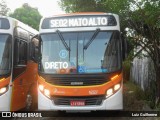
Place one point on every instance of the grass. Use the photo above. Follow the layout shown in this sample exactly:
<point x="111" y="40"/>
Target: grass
<point x="134" y="97"/>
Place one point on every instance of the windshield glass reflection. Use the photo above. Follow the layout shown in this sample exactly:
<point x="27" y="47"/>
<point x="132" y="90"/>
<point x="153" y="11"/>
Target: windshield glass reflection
<point x="102" y="55"/>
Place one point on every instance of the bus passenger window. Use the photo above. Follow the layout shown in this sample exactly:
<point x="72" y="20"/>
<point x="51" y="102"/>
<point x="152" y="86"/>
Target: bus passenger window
<point x="21" y="52"/>
<point x="34" y="46"/>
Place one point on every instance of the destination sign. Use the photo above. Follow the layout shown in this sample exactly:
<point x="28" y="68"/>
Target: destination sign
<point x="4" y="23"/>
<point x="79" y="21"/>
<point x="74" y="22"/>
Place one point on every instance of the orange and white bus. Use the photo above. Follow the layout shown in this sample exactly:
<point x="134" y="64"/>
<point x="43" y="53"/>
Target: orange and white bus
<point x="80" y="65"/>
<point x="17" y="70"/>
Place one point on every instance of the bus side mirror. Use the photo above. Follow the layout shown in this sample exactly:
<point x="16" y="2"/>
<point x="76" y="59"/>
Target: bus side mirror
<point x="124" y="47"/>
<point x="35" y="48"/>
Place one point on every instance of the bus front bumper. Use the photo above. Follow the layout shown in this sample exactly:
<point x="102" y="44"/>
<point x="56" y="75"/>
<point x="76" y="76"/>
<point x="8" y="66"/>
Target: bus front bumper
<point x="114" y="102"/>
<point x="5" y="101"/>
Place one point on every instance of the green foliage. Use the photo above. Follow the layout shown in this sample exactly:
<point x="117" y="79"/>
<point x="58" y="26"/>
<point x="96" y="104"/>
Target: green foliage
<point x="3" y="8"/>
<point x="81" y="5"/>
<point x="134" y="97"/>
<point x="150" y="94"/>
<point x="126" y="70"/>
<point x="27" y="15"/>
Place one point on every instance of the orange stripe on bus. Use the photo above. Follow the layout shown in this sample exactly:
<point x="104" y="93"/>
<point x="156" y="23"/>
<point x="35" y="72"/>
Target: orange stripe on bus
<point x="78" y="90"/>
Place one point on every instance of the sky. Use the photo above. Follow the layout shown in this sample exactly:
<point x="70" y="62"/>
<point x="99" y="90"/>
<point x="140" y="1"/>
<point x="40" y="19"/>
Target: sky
<point x="45" y="7"/>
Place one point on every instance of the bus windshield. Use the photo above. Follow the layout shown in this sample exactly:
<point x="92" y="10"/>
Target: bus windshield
<point x="102" y="54"/>
<point x="5" y="54"/>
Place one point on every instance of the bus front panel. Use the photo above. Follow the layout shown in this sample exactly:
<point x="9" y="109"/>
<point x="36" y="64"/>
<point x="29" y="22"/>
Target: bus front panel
<point x="80" y="70"/>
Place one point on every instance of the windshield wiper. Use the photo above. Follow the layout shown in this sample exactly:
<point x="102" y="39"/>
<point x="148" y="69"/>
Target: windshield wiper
<point x="92" y="38"/>
<point x="62" y="39"/>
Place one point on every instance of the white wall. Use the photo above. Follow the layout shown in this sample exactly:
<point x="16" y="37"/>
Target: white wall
<point x="142" y="71"/>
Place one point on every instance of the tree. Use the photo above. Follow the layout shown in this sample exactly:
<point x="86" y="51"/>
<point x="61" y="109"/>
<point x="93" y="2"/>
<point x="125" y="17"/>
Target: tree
<point x="81" y="5"/>
<point x="3" y="8"/>
<point x="27" y="15"/>
<point x="145" y="24"/>
<point x="142" y="18"/>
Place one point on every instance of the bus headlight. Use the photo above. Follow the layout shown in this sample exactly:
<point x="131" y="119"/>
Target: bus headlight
<point x="113" y="90"/>
<point x="109" y="92"/>
<point x="3" y="90"/>
<point x="45" y="91"/>
<point x="41" y="87"/>
<point x="116" y="87"/>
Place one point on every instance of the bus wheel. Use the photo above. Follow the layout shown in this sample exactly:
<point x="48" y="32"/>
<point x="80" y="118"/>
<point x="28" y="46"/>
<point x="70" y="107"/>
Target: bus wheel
<point x="28" y="101"/>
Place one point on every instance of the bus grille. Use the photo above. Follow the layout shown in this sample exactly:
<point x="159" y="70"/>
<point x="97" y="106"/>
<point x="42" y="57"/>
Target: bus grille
<point x="96" y="100"/>
<point x="77" y="81"/>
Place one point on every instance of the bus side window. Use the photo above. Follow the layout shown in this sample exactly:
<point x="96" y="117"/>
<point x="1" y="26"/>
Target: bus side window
<point x="34" y="49"/>
<point x="21" y="52"/>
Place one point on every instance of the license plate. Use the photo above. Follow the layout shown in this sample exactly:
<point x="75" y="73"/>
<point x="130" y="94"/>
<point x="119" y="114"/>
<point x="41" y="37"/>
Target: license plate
<point x="77" y="103"/>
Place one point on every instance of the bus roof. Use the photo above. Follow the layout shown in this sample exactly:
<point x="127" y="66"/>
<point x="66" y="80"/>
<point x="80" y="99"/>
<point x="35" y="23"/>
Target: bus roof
<point x="9" y="23"/>
<point x="80" y="13"/>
